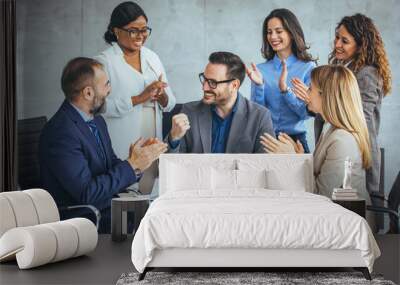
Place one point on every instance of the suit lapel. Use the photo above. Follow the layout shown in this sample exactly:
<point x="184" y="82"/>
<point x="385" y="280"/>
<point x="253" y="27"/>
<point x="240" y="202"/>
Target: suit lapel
<point x="205" y="126"/>
<point x="82" y="126"/>
<point x="103" y="139"/>
<point x="237" y="126"/>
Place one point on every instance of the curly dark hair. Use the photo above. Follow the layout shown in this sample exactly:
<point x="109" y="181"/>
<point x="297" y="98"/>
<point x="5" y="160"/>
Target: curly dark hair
<point x="370" y="48"/>
<point x="292" y="26"/>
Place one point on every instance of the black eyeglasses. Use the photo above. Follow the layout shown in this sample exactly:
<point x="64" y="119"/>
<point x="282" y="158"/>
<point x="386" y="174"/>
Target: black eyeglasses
<point x="211" y="82"/>
<point x="133" y="33"/>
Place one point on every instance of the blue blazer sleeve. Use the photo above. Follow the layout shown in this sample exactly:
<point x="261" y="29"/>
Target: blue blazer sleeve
<point x="79" y="170"/>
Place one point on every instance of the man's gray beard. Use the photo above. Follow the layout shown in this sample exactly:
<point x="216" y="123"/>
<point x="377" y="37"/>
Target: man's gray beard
<point x="99" y="110"/>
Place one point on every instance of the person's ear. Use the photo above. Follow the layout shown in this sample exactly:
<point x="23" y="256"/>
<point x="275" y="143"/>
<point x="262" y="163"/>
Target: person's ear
<point x="115" y="32"/>
<point x="88" y="93"/>
<point x="236" y="84"/>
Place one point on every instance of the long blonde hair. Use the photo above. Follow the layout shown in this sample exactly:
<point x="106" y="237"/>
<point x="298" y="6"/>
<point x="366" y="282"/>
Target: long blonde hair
<point x="341" y="104"/>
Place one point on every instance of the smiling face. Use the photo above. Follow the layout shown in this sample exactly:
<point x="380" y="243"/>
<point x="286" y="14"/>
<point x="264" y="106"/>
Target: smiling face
<point x="222" y="93"/>
<point x="278" y="37"/>
<point x="345" y="44"/>
<point x="124" y="38"/>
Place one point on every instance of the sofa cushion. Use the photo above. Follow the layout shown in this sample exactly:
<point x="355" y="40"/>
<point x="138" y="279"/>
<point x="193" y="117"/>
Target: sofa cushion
<point x="40" y="244"/>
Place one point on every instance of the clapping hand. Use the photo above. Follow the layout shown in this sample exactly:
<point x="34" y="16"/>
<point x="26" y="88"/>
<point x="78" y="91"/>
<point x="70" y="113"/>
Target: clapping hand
<point x="285" y="138"/>
<point x="160" y="96"/>
<point x="143" y="152"/>
<point x="153" y="89"/>
<point x="284" y="144"/>
<point x="300" y="90"/>
<point x="283" y="78"/>
<point x="254" y="74"/>
<point x="151" y="141"/>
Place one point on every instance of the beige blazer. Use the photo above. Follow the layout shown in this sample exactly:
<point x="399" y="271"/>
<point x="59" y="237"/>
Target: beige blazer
<point x="370" y="84"/>
<point x="330" y="153"/>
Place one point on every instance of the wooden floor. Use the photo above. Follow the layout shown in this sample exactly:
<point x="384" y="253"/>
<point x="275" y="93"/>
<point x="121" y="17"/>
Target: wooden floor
<point x="389" y="262"/>
<point x="106" y="264"/>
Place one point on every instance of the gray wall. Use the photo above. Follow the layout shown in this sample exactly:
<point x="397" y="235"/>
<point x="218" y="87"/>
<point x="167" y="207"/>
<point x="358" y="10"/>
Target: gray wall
<point x="185" y="32"/>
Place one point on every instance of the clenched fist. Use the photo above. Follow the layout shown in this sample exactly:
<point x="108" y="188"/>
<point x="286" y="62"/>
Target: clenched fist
<point x="180" y="125"/>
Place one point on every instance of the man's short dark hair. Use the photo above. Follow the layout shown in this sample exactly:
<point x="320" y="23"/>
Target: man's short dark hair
<point x="77" y="74"/>
<point x="235" y="66"/>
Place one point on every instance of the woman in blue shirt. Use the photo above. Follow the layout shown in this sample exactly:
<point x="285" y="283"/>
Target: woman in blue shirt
<point x="287" y="59"/>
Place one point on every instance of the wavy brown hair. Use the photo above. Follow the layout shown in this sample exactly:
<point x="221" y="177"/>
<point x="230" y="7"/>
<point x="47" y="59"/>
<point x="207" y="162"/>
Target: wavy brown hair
<point x="370" y="48"/>
<point x="293" y="27"/>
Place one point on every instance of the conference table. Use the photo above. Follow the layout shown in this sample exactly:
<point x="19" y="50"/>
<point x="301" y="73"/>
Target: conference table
<point x="110" y="259"/>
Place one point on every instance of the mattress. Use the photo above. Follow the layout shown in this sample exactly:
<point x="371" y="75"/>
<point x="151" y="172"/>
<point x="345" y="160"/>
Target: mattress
<point x="250" y="219"/>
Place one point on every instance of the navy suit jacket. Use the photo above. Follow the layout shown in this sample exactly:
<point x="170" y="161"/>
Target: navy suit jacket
<point x="71" y="166"/>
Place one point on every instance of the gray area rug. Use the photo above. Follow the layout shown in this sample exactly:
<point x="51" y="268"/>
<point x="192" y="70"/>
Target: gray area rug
<point x="229" y="278"/>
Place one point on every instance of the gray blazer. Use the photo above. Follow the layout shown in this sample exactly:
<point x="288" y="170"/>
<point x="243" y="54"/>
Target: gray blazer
<point x="371" y="89"/>
<point x="329" y="156"/>
<point x="249" y="122"/>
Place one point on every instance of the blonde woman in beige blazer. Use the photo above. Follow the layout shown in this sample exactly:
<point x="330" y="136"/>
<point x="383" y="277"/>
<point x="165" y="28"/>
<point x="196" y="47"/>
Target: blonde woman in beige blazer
<point x="332" y="149"/>
<point x="334" y="94"/>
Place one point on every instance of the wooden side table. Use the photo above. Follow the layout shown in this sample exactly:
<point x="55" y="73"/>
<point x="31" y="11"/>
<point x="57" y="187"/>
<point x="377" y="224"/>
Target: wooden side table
<point x="357" y="206"/>
<point x="119" y="218"/>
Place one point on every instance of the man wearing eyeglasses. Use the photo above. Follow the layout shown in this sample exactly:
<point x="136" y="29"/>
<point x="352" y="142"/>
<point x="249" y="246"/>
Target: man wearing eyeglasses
<point x="223" y="121"/>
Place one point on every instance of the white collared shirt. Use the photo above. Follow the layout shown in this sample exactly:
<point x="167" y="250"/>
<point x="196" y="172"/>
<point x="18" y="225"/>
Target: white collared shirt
<point x="84" y="116"/>
<point x="124" y="121"/>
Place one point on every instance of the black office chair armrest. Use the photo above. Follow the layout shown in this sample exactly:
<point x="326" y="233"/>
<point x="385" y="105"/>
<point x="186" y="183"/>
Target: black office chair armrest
<point x="378" y="196"/>
<point x="383" y="210"/>
<point x="394" y="222"/>
<point x="95" y="211"/>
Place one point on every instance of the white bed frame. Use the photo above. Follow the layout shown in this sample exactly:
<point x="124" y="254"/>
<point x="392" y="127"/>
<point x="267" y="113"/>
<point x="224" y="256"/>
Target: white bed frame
<point x="250" y="258"/>
<point x="234" y="257"/>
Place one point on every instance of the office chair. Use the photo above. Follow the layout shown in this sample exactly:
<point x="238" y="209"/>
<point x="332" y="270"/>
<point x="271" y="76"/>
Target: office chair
<point x="28" y="136"/>
<point x="28" y="132"/>
<point x="391" y="206"/>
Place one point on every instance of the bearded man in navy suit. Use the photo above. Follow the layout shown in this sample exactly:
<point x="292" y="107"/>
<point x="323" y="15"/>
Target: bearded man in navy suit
<point x="77" y="162"/>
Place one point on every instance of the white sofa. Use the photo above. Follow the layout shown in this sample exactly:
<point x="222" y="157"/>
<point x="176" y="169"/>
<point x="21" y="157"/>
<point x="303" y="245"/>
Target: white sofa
<point x="31" y="231"/>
